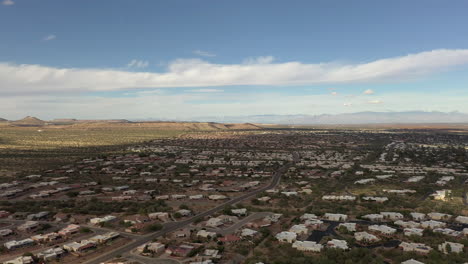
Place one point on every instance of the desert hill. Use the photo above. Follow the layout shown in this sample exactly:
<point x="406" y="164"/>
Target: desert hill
<point x="28" y="121"/>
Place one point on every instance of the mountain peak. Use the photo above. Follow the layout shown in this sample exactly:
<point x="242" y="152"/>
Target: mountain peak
<point x="29" y="121"/>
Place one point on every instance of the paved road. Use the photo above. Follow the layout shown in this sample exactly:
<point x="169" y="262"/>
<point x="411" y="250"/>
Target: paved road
<point x="170" y="227"/>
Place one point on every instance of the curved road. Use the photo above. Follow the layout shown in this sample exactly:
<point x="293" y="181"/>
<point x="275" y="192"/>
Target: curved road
<point x="170" y="227"/>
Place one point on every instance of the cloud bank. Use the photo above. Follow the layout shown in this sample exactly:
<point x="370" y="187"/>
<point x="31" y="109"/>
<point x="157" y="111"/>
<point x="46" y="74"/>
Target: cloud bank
<point x="26" y="78"/>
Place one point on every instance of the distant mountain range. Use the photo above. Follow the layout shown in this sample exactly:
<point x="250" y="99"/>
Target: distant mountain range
<point x="30" y="121"/>
<point x="410" y="117"/>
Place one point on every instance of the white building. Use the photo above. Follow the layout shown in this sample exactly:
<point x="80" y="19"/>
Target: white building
<point x="99" y="220"/>
<point x="308" y="246"/>
<point x="335" y="217"/>
<point x="349" y="226"/>
<point x="366" y="237"/>
<point x="412" y="261"/>
<point x="375" y="199"/>
<point x="308" y="216"/>
<point x="450" y="247"/>
<point x="410" y="224"/>
<point x="431" y="224"/>
<point x="413" y="231"/>
<point x="418" y="216"/>
<point x="288" y="237"/>
<point x="391" y="215"/>
<point x="461" y="219"/>
<point x="246" y="232"/>
<point x="439" y="216"/>
<point x="373" y="217"/>
<point x="21" y="260"/>
<point x="337" y="243"/>
<point x="415" y="247"/>
<point x="299" y="229"/>
<point x="206" y="234"/>
<point x="239" y="212"/>
<point x="214" y="222"/>
<point x="364" y="181"/>
<point x="386" y="230"/>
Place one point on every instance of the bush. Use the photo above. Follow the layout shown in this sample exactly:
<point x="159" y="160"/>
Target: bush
<point x="154" y="227"/>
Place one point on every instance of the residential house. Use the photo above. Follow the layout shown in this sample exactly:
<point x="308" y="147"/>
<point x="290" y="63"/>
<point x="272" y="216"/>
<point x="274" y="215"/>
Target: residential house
<point x="308" y="246"/>
<point x="239" y="212"/>
<point x="179" y="251"/>
<point x="418" y="216"/>
<point x="161" y="216"/>
<point x="21" y="260"/>
<point x="461" y="219"/>
<point x="373" y="217"/>
<point x="337" y="243"/>
<point x="432" y="224"/>
<point x="50" y="254"/>
<point x="391" y="215"/>
<point x="365" y="237"/>
<point x="11" y="245"/>
<point x="79" y="247"/>
<point x="285" y="236"/>
<point x="299" y="229"/>
<point x="451" y="247"/>
<point x="5" y="232"/>
<point x="214" y="222"/>
<point x="383" y="229"/>
<point x="206" y="234"/>
<point x="100" y="220"/>
<point x="246" y="232"/>
<point x="351" y="227"/>
<point x="439" y="216"/>
<point x="412" y="261"/>
<point x="335" y="217"/>
<point x="413" y="231"/>
<point x="415" y="247"/>
<point x="69" y="230"/>
<point x="28" y="226"/>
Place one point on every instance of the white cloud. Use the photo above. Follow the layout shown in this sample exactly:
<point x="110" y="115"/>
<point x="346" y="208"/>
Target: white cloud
<point x="205" y="91"/>
<point x="334" y="93"/>
<point x="8" y="2"/>
<point x="368" y="92"/>
<point x="347" y="104"/>
<point x="375" y="102"/>
<point x="204" y="53"/>
<point x="49" y="37"/>
<point x="26" y="78"/>
<point x="259" y="60"/>
<point x="138" y="64"/>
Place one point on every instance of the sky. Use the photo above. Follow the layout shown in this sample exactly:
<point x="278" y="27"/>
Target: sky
<point x="186" y="60"/>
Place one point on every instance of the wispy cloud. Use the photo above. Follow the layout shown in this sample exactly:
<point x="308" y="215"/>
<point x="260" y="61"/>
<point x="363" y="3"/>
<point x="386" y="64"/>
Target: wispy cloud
<point x="260" y="60"/>
<point x="203" y="53"/>
<point x="375" y="102"/>
<point x="138" y="64"/>
<point x="24" y="78"/>
<point x="368" y="92"/>
<point x="205" y="91"/>
<point x="347" y="104"/>
<point x="8" y="2"/>
<point x="49" y="37"/>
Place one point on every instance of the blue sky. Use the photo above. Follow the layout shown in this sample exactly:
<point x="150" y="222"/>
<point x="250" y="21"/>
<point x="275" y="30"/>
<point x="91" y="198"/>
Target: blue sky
<point x="185" y="59"/>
